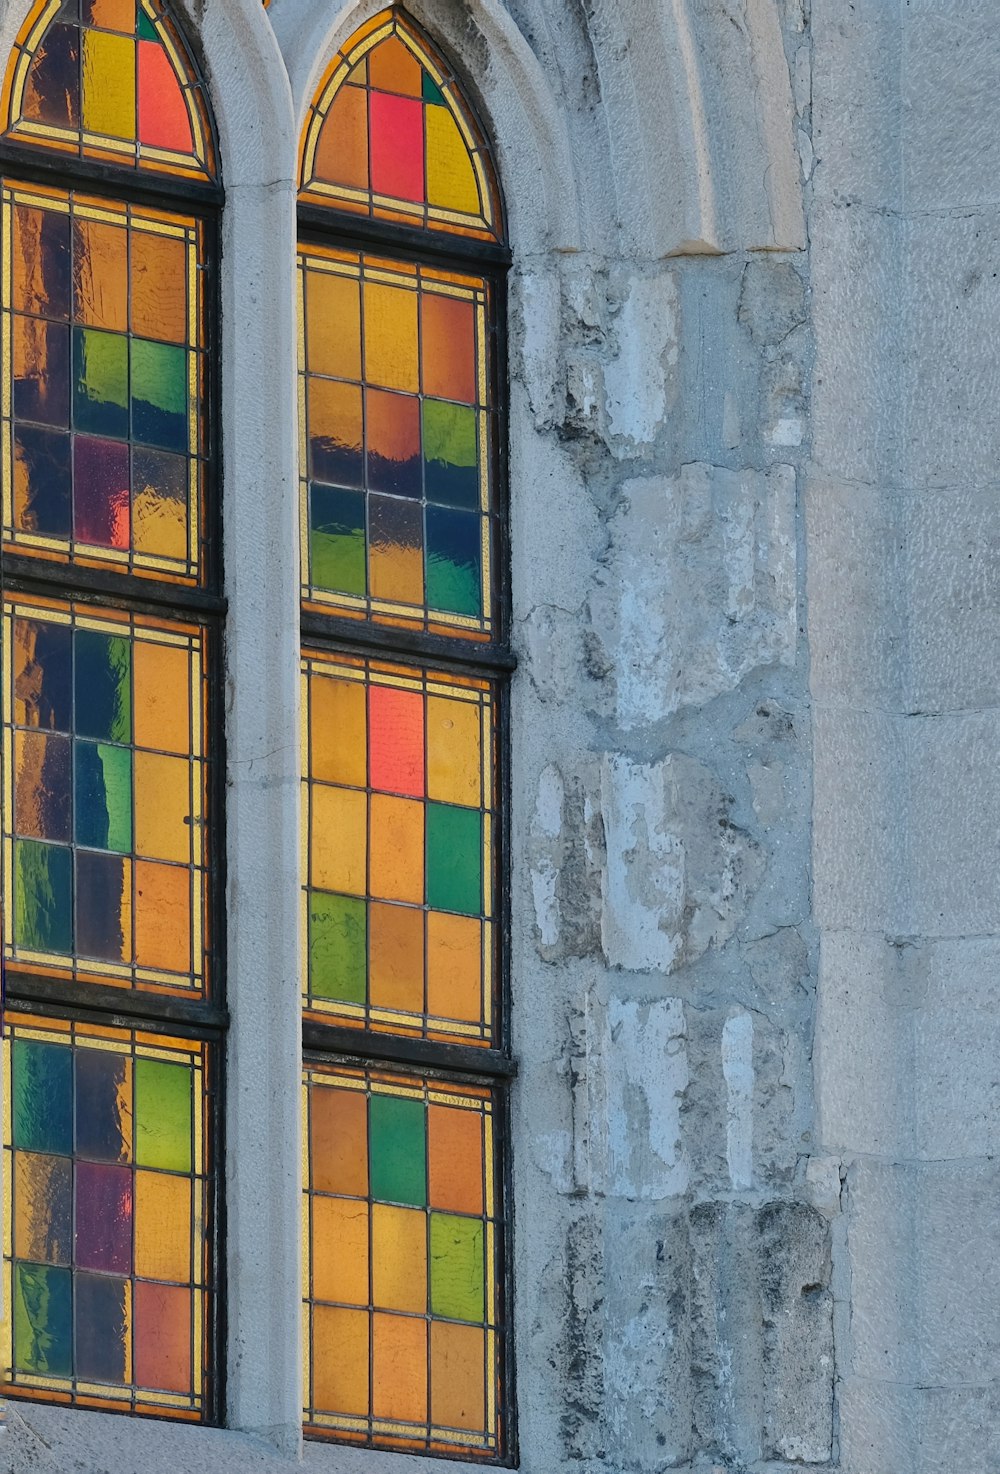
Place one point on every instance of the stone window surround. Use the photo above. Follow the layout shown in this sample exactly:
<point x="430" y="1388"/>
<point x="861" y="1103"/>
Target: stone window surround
<point x="250" y="57"/>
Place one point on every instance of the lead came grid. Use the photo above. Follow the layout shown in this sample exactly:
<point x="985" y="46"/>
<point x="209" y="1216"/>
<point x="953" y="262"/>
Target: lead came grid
<point x="104" y="796"/>
<point x="103" y="375"/>
<point x="401" y="1244"/>
<point x="399" y="848"/>
<point x="397" y="429"/>
<point x="105" y="1217"/>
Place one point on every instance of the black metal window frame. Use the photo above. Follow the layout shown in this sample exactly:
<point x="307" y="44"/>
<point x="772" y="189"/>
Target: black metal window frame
<point x="205" y="1020"/>
<point x="494" y="660"/>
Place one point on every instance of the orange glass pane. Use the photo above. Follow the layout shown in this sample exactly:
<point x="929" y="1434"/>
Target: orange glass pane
<point x="397" y="849"/>
<point x="112" y="15"/>
<point x="342" y="153"/>
<point x="162" y="917"/>
<point x="448" y="348"/>
<point x="396" y="550"/>
<point x="163" y="1337"/>
<point x="163" y="1208"/>
<point x="336" y="425"/>
<point x="455" y="1159"/>
<point x="399" y="1368"/>
<point x="340" y="1360"/>
<point x="393" y="68"/>
<point x="339" y="1141"/>
<point x="391" y="337"/>
<point x="333" y="325"/>
<point x="340" y="1250"/>
<point x="458" y="1394"/>
<point x="41" y="256"/>
<point x="100" y="275"/>
<point x="159" y="287"/>
<point x="397" y="958"/>
<point x="399" y="1258"/>
<point x="337" y="731"/>
<point x="161" y="674"/>
<point x="339" y="848"/>
<point x="454" y="966"/>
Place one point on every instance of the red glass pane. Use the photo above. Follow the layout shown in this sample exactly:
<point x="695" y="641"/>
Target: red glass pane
<point x="396" y="740"/>
<point x="163" y="114"/>
<point x="397" y="146"/>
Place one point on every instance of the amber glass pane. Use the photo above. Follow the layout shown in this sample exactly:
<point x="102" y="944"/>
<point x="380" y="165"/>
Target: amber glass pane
<point x="106" y="1182"/>
<point x="104" y="851"/>
<point x="397" y="503"/>
<point x="110" y="80"/>
<point x="401" y="1245"/>
<point x="103" y="338"/>
<point x="398" y="864"/>
<point x="391" y="134"/>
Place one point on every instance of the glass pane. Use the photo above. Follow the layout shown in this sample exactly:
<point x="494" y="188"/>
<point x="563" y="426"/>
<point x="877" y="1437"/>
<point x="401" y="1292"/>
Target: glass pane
<point x="103" y="337"/>
<point x="391" y="134"/>
<point x="110" y="80"/>
<point x="106" y="1185"/>
<point x="104" y="850"/>
<point x="398" y="864"/>
<point x="397" y="503"/>
<point x="401" y="1253"/>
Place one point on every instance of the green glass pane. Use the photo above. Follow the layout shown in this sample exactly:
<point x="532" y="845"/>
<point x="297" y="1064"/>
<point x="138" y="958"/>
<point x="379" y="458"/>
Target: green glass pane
<point x="43" y="899"/>
<point x="159" y="394"/>
<point x="162" y="1122"/>
<point x="43" y="1320"/>
<point x="103" y="796"/>
<point x="454" y="859"/>
<point x="451" y="473"/>
<point x="145" y="29"/>
<point x="102" y="686"/>
<point x="337" y="539"/>
<point x="398" y="1150"/>
<point x="457" y="1271"/>
<point x="337" y="948"/>
<point x="431" y="91"/>
<point x="43" y="1097"/>
<point x="100" y="382"/>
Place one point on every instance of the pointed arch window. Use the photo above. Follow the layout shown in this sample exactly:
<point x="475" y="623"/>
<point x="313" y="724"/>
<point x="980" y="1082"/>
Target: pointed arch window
<point x="111" y="802"/>
<point x="405" y="671"/>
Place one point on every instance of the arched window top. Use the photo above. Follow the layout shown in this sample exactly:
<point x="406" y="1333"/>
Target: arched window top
<point x="110" y="81"/>
<point x="392" y="135"/>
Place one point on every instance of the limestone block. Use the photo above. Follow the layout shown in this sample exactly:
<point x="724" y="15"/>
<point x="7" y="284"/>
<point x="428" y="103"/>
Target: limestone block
<point x="855" y="101"/>
<point x="950" y="106"/>
<point x="678" y="873"/>
<point x="879" y="1431"/>
<point x="635" y="380"/>
<point x="698" y="587"/>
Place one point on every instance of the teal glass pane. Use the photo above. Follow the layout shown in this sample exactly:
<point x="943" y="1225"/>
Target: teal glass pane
<point x="454" y="558"/>
<point x="100" y="383"/>
<point x="102" y="686"/>
<point x="337" y="539"/>
<point x="43" y="1320"/>
<point x="454" y="859"/>
<point x="397" y="1135"/>
<point x="338" y="947"/>
<point x="162" y="1115"/>
<point x="457" y="1269"/>
<point x="451" y="472"/>
<point x="43" y="1097"/>
<point x="430" y="90"/>
<point x="145" y="29"/>
<point x="159" y="394"/>
<point x="43" y="897"/>
<point x="103" y="796"/>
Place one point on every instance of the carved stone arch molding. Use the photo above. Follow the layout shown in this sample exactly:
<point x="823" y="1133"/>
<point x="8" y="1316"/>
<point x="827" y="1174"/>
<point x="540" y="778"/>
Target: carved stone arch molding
<point x="654" y="129"/>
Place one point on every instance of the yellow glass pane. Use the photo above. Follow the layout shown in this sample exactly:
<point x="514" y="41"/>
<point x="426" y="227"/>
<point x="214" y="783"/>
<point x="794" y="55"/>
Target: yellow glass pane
<point x="396" y="957"/>
<point x="159" y="521"/>
<point x="163" y="829"/>
<point x="337" y="836"/>
<point x="335" y="413"/>
<point x="338" y="729"/>
<point x="391" y="337"/>
<point x="397" y="840"/>
<point x="100" y="274"/>
<point x="399" y="1368"/>
<point x="399" y="1258"/>
<point x="454" y="751"/>
<point x="454" y="963"/>
<point x="163" y="1226"/>
<point x="42" y="1196"/>
<point x="451" y="180"/>
<point x="162" y="916"/>
<point x="340" y="1250"/>
<point x="396" y="555"/>
<point x="108" y="84"/>
<point x="340" y="1360"/>
<point x="333" y="325"/>
<point x="159" y="287"/>
<point x="162" y="699"/>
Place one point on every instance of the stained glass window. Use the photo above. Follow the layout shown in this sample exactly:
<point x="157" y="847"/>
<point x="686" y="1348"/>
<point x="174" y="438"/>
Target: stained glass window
<point x="391" y="135"/>
<point x="403" y="1297"/>
<point x="109" y="640"/>
<point x="398" y="431"/>
<point x="405" y="673"/>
